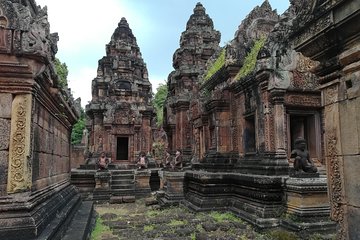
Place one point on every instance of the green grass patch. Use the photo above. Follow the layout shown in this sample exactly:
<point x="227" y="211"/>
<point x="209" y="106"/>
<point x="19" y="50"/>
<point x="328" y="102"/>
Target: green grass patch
<point x="250" y="59"/>
<point x="152" y="213"/>
<point x="224" y="217"/>
<point x="216" y="66"/>
<point x="176" y="223"/>
<point x="199" y="228"/>
<point x="99" y="229"/>
<point x="148" y="228"/>
<point x="282" y="235"/>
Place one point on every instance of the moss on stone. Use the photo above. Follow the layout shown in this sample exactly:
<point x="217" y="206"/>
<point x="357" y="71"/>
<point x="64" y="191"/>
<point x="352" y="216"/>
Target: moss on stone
<point x="216" y="66"/>
<point x="250" y="59"/>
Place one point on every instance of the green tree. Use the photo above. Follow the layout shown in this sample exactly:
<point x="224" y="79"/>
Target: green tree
<point x="159" y="99"/>
<point x="62" y="72"/>
<point x="78" y="128"/>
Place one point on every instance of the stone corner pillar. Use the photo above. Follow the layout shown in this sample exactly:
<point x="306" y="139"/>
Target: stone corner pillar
<point x="20" y="172"/>
<point x="142" y="182"/>
<point x="307" y="206"/>
<point x="173" y="187"/>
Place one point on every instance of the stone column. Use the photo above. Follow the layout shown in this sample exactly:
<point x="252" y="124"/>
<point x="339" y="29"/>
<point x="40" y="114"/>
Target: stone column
<point x="279" y="121"/>
<point x="20" y="172"/>
<point x="98" y="134"/>
<point x="181" y="124"/>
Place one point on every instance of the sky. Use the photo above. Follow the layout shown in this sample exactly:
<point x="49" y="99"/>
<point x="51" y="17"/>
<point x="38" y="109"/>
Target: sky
<point x="86" y="26"/>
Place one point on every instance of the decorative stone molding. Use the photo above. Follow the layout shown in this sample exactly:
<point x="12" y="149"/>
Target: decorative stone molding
<point x="19" y="176"/>
<point x="336" y="186"/>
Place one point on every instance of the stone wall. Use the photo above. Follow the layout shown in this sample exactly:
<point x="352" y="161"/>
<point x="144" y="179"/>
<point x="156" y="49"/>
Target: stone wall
<point x="77" y="155"/>
<point x="36" y="118"/>
<point x="51" y="148"/>
<point x="5" y="123"/>
<point x="329" y="33"/>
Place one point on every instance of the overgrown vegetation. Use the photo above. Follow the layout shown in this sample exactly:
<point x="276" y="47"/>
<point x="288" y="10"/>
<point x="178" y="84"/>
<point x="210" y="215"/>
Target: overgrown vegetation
<point x="282" y="235"/>
<point x="216" y="66"/>
<point x="159" y="99"/>
<point x="62" y="72"/>
<point x="78" y="128"/>
<point x="175" y="223"/>
<point x="99" y="229"/>
<point x="137" y="221"/>
<point x="148" y="228"/>
<point x="223" y="217"/>
<point x="250" y="59"/>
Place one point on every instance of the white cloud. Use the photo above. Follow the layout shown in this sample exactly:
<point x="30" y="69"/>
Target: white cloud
<point x="157" y="80"/>
<point x="80" y="83"/>
<point x="84" y="28"/>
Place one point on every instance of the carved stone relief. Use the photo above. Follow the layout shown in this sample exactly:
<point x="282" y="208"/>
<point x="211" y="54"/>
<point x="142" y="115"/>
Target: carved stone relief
<point x="19" y="176"/>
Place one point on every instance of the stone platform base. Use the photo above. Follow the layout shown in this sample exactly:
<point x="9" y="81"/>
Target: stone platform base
<point x="257" y="199"/>
<point x="172" y="188"/>
<point x="44" y="214"/>
<point x="307" y="207"/>
<point x="82" y="223"/>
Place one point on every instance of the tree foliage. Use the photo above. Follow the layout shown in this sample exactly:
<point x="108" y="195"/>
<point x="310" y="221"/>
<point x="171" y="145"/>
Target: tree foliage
<point x="62" y="72"/>
<point x="158" y="102"/>
<point x="78" y="128"/>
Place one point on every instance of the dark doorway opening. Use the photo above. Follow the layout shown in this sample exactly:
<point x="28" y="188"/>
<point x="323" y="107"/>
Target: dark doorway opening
<point x="306" y="126"/>
<point x="122" y="148"/>
<point x="249" y="135"/>
<point x="154" y="181"/>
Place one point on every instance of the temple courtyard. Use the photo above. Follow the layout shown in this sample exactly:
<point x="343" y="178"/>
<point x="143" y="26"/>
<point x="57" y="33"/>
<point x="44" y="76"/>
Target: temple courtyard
<point x="256" y="139"/>
<point x="138" y="221"/>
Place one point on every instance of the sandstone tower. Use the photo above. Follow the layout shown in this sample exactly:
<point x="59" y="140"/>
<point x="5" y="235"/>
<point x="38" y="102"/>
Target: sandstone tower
<point x="197" y="44"/>
<point x="120" y="112"/>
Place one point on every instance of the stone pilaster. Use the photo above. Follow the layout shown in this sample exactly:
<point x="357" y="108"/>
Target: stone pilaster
<point x="20" y="172"/>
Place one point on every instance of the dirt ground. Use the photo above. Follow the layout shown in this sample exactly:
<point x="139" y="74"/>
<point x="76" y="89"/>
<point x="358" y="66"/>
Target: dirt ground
<point x="136" y="221"/>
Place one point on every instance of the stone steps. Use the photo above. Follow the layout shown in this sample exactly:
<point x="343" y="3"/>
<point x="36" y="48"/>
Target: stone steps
<point x="123" y="177"/>
<point x="122" y="184"/>
<point x="82" y="223"/>
<point x="122" y="181"/>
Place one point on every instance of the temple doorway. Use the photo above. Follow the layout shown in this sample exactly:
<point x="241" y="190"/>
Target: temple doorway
<point x="122" y="148"/>
<point x="307" y="126"/>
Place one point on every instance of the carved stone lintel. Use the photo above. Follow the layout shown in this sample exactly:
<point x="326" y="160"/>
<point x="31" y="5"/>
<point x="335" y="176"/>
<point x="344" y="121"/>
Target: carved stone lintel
<point x="19" y="176"/>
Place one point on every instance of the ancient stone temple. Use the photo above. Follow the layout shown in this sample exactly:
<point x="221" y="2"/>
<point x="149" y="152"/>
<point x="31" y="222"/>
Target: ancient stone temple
<point x="36" y="118"/>
<point x="197" y="44"/>
<point x="120" y="115"/>
<point x="329" y="32"/>
<point x="257" y="97"/>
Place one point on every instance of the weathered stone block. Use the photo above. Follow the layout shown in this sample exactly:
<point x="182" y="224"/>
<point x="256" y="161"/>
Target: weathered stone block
<point x="5" y="126"/>
<point x="353" y="219"/>
<point x="143" y="179"/>
<point x="128" y="199"/>
<point x="116" y="199"/>
<point x="349" y="125"/>
<point x="4" y="159"/>
<point x="5" y="105"/>
<point x="352" y="179"/>
<point x="102" y="179"/>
